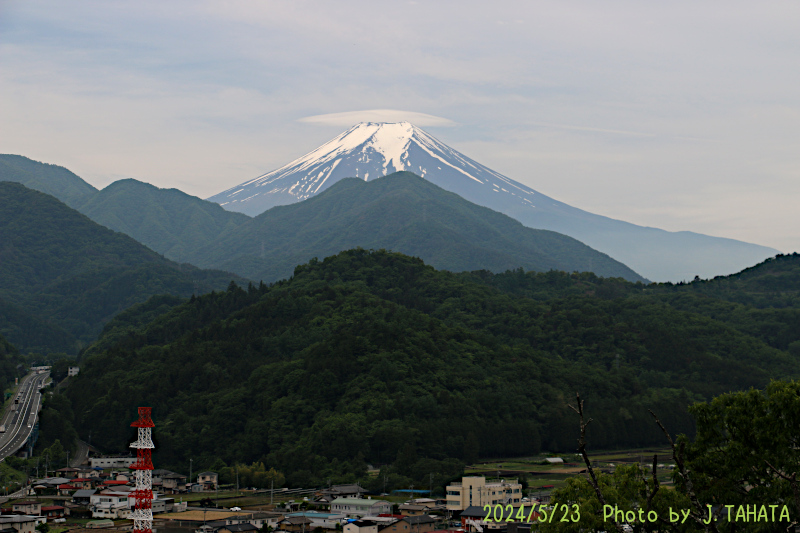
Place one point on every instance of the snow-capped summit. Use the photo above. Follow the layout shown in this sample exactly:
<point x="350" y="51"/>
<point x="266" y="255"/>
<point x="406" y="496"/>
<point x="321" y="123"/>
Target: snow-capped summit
<point x="370" y="150"/>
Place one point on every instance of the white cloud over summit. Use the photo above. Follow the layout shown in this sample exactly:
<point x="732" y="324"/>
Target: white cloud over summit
<point x="349" y="118"/>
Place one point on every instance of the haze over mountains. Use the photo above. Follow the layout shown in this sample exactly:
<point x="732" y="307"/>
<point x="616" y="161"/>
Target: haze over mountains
<point x="372" y="150"/>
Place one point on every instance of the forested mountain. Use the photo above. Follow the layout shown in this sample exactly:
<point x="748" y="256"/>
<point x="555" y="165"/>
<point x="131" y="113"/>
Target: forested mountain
<point x="9" y="361"/>
<point x="73" y="275"/>
<point x="168" y="221"/>
<point x="50" y="179"/>
<point x="400" y="212"/>
<point x="374" y="356"/>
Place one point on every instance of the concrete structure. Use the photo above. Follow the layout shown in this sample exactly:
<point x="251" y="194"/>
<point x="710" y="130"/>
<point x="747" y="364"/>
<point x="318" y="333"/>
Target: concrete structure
<point x="124" y="461"/>
<point x="359" y="507"/>
<point x="73" y="371"/>
<point x="475" y="490"/>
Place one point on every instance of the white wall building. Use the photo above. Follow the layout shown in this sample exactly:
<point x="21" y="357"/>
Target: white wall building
<point x="112" y="462"/>
<point x="475" y="490"/>
<point x="358" y="507"/>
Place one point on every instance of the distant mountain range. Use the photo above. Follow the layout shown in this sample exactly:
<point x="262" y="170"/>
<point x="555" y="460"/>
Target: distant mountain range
<point x="372" y="150"/>
<point x="63" y="276"/>
<point x="407" y="214"/>
<point x="404" y="213"/>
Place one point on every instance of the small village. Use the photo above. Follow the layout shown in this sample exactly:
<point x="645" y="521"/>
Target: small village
<point x="101" y="495"/>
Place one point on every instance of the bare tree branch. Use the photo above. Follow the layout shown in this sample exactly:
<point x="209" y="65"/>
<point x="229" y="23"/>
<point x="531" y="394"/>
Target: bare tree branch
<point x="795" y="489"/>
<point x="582" y="450"/>
<point x="656" y="486"/>
<point x="677" y="455"/>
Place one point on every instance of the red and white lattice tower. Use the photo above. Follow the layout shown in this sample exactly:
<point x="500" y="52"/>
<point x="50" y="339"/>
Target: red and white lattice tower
<point x="142" y="514"/>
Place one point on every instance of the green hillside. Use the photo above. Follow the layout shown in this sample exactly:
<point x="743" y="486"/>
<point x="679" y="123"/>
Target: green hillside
<point x="61" y="268"/>
<point x="50" y="179"/>
<point x="404" y="213"/>
<point x="374" y="356"/>
<point x="168" y="221"/>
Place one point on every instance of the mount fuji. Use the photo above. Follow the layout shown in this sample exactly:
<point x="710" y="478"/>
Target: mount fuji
<point x="370" y="150"/>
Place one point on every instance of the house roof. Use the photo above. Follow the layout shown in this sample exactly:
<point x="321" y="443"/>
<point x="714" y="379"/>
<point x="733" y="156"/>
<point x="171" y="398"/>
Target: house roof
<point x="207" y="473"/>
<point x="296" y="520"/>
<point x="28" y="502"/>
<point x="244" y="526"/>
<point x="17" y="519"/>
<point x="345" y="489"/>
<point x="53" y="508"/>
<point x="83" y="493"/>
<point x="421" y="519"/>
<point x="357" y="501"/>
<point x="472" y="511"/>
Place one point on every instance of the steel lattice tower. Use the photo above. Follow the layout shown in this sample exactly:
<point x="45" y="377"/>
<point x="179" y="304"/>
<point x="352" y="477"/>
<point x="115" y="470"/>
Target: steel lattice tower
<point x="142" y="515"/>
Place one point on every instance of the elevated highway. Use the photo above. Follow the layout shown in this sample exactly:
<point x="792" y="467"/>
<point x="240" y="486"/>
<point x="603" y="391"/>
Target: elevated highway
<point x="20" y="418"/>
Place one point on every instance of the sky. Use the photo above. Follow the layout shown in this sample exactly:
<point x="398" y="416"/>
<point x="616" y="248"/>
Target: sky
<point x="681" y="115"/>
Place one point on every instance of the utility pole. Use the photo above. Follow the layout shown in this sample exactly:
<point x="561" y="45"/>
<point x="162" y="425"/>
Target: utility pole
<point x="190" y="472"/>
<point x="430" y="492"/>
<point x="237" y="480"/>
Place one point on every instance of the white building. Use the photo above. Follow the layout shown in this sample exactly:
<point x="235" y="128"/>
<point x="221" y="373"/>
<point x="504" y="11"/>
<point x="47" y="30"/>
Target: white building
<point x="110" y="504"/>
<point x="358" y="507"/>
<point x="112" y="462"/>
<point x="73" y="371"/>
<point x="475" y="490"/>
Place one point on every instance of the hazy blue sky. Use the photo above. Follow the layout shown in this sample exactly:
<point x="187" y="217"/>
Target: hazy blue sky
<point x="682" y="115"/>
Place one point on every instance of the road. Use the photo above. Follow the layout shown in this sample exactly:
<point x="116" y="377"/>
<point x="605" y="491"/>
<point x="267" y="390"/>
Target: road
<point x="19" y="421"/>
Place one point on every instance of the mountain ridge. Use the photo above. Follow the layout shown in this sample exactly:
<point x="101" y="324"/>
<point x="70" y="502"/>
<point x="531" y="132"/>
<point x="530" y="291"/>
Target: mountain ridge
<point x="370" y="150"/>
<point x="404" y="213"/>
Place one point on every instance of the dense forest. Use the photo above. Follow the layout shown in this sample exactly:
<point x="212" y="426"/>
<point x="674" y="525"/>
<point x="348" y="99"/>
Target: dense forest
<point x="376" y="357"/>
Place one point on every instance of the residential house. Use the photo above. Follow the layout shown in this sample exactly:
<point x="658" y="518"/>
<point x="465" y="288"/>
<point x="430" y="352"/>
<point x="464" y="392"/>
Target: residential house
<point x="476" y="491"/>
<point x="238" y="528"/>
<point x="258" y="519"/>
<point x="110" y="504"/>
<point x="82" y="483"/>
<point x="73" y="371"/>
<point x="54" y="511"/>
<point x="81" y="497"/>
<point x="411" y="524"/>
<point x="322" y="520"/>
<point x="173" y="482"/>
<point x="361" y="526"/>
<point x="299" y="524"/>
<point x="360" y="507"/>
<point x="67" y="488"/>
<point x="209" y="480"/>
<point x="353" y="490"/>
<point x="18" y="524"/>
<point x="31" y="507"/>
